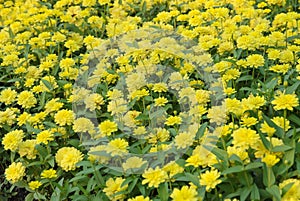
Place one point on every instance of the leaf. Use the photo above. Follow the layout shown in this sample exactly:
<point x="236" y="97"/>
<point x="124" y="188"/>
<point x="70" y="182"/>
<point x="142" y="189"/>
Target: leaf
<point x="245" y="78"/>
<point x="286" y="188"/>
<point x="268" y="176"/>
<point x="42" y="150"/>
<point x="193" y="178"/>
<point x="281" y="148"/>
<point x="47" y="84"/>
<point x="201" y="131"/>
<point x="253" y="165"/>
<point x="245" y="193"/>
<point x="264" y="140"/>
<point x="275" y="192"/>
<point x="221" y="154"/>
<point x="272" y="84"/>
<point x="29" y="197"/>
<point x="279" y="130"/>
<point x="255" y="196"/>
<point x="132" y="185"/>
<point x="163" y="191"/>
<point x="235" y="169"/>
<point x="294" y="119"/>
<point x="293" y="88"/>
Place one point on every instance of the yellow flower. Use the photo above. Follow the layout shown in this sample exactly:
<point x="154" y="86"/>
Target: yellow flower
<point x="15" y="172"/>
<point x="160" y="87"/>
<point x="12" y="140"/>
<point x="265" y="128"/>
<point x="184" y="139"/>
<point x="113" y="187"/>
<point x="53" y="105"/>
<point x="132" y="163"/>
<point x="139" y="94"/>
<point x="97" y="157"/>
<point x="281" y="122"/>
<point x="44" y="137"/>
<point x="161" y="101"/>
<point x="233" y="106"/>
<point x="270" y="159"/>
<point x="83" y="125"/>
<point x="245" y="137"/>
<point x="172" y="120"/>
<point x="249" y="121"/>
<point x="210" y="179"/>
<point x="159" y="135"/>
<point x="8" y="96"/>
<point x="27" y="148"/>
<point x="154" y="177"/>
<point x="280" y="68"/>
<point x="217" y="114"/>
<point x="64" y="117"/>
<point x="117" y="147"/>
<point x="139" y="198"/>
<point x="255" y="60"/>
<point x="107" y="127"/>
<point x="68" y="157"/>
<point x="34" y="185"/>
<point x="285" y="101"/>
<point x="141" y="130"/>
<point x="293" y="194"/>
<point x="22" y="119"/>
<point x="135" y="81"/>
<point x="26" y="99"/>
<point x="172" y="169"/>
<point x="48" y="174"/>
<point x="184" y="194"/>
<point x="240" y="152"/>
<point x="94" y="101"/>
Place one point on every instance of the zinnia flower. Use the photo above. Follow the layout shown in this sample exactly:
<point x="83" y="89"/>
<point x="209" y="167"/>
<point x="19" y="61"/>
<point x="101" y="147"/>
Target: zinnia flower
<point x="210" y="179"/>
<point x="154" y="177"/>
<point x="285" y="101"/>
<point x="184" y="194"/>
<point x="68" y="157"/>
<point x="15" y="172"/>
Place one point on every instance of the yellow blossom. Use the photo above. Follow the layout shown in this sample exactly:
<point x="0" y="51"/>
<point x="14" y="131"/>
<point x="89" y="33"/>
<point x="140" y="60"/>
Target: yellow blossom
<point x="15" y="172"/>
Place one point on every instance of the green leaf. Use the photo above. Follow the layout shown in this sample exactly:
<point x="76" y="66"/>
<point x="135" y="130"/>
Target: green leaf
<point x="268" y="176"/>
<point x="294" y="119"/>
<point x="163" y="191"/>
<point x="244" y="78"/>
<point x="29" y="197"/>
<point x="245" y="193"/>
<point x="281" y="148"/>
<point x="235" y="169"/>
<point x="293" y="88"/>
<point x="42" y="150"/>
<point x="264" y="140"/>
<point x="271" y="84"/>
<point x="47" y="84"/>
<point x="275" y="192"/>
<point x="132" y="185"/>
<point x="193" y="178"/>
<point x="255" y="196"/>
<point x="39" y="196"/>
<point x="253" y="165"/>
<point x="201" y="131"/>
<point x="286" y="188"/>
<point x="279" y="130"/>
<point x="221" y="154"/>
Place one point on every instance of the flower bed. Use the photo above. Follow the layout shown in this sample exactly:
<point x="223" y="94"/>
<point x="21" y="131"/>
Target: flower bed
<point x="150" y="100"/>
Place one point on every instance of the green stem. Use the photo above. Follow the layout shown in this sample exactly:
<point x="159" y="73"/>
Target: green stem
<point x="284" y="121"/>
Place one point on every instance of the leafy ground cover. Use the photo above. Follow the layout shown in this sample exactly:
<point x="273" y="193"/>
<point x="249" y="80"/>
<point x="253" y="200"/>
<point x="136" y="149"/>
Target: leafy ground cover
<point x="149" y="100"/>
